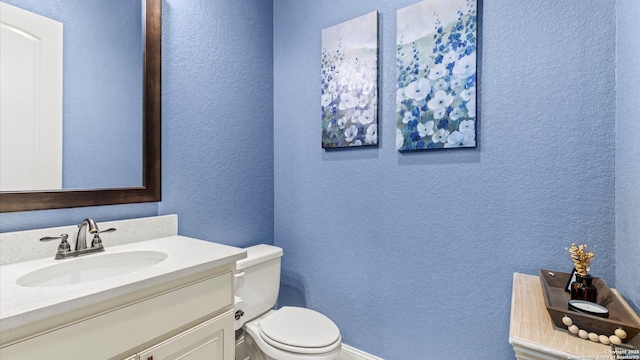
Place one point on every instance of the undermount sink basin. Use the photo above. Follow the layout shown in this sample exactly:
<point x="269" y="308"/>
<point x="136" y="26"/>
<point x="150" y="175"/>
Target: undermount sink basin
<point x="91" y="268"/>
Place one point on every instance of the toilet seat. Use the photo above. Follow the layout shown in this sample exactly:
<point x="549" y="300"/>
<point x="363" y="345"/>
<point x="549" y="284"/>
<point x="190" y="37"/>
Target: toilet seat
<point x="291" y="328"/>
<point x="296" y="333"/>
<point x="299" y="349"/>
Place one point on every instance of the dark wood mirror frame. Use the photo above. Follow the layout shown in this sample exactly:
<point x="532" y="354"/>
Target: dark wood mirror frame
<point x="151" y="175"/>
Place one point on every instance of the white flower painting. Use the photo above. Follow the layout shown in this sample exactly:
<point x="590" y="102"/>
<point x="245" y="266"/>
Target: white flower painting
<point x="349" y="87"/>
<point x="436" y="75"/>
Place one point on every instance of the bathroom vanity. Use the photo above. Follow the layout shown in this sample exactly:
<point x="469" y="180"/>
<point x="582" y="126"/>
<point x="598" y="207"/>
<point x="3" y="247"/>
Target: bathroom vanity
<point x="170" y="297"/>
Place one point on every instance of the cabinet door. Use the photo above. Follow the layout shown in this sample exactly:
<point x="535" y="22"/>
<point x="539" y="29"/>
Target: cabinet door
<point x="203" y="342"/>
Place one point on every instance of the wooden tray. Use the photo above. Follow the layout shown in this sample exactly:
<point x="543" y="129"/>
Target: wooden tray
<point x="557" y="302"/>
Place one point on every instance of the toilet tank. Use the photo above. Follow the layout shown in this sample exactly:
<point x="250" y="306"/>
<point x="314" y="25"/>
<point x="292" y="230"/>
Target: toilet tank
<point x="258" y="279"/>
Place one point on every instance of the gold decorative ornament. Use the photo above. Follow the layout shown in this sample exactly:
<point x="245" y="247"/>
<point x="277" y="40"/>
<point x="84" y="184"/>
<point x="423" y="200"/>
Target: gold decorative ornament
<point x="581" y="258"/>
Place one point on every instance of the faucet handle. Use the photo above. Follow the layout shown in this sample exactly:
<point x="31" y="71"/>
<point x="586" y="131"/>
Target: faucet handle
<point x="64" y="245"/>
<point x="64" y="237"/>
<point x="97" y="242"/>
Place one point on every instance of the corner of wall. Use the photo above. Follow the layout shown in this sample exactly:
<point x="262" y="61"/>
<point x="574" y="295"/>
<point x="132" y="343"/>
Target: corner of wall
<point x="627" y="154"/>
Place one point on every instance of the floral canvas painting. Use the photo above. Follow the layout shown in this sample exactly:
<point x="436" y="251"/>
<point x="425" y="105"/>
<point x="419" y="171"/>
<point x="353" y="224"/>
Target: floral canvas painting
<point x="436" y="75"/>
<point x="349" y="87"/>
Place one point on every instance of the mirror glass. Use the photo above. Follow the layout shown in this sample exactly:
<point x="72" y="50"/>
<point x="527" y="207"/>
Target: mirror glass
<point x="114" y="145"/>
<point x="102" y="96"/>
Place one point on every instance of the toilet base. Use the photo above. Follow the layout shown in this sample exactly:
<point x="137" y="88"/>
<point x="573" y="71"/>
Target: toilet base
<point x="252" y="348"/>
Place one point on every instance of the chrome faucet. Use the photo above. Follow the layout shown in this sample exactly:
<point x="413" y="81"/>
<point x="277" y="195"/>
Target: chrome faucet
<point x="80" y="248"/>
<point x="81" y="238"/>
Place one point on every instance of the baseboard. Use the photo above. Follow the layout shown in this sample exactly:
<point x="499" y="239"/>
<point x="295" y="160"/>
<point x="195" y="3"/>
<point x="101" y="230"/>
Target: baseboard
<point x="351" y="353"/>
<point x="347" y="353"/>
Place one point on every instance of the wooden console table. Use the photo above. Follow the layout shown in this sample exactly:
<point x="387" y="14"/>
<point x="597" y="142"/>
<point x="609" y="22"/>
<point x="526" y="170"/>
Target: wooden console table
<point x="533" y="334"/>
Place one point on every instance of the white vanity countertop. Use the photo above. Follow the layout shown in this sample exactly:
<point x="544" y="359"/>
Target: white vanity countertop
<point x="21" y="305"/>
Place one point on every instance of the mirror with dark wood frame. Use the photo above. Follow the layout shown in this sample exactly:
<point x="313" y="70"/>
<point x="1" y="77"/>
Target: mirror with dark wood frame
<point x="150" y="190"/>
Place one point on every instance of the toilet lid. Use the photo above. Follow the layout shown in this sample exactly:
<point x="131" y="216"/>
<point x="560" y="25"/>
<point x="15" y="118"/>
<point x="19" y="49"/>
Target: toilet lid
<point x="300" y="327"/>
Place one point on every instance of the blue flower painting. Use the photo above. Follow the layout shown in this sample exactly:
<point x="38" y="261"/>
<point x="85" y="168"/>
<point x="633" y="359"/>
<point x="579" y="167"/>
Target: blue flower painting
<point x="436" y="75"/>
<point x="350" y="83"/>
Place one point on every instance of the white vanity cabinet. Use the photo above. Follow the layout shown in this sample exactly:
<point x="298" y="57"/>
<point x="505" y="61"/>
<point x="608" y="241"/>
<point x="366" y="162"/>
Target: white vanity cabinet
<point x="203" y="342"/>
<point x="187" y="318"/>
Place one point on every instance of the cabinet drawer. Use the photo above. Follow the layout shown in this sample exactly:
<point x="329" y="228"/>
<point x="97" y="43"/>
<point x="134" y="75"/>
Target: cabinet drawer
<point x="114" y="332"/>
<point x="208" y="341"/>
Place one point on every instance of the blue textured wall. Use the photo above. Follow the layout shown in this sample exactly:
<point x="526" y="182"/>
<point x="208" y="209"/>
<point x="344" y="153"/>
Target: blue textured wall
<point x="628" y="151"/>
<point x="102" y="96"/>
<point x="412" y="254"/>
<point x="217" y="96"/>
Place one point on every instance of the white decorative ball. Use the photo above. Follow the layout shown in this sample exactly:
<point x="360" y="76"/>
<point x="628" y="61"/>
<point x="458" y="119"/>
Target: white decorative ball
<point x="594" y="337"/>
<point x="573" y="329"/>
<point x="567" y="321"/>
<point x="583" y="334"/>
<point x="620" y="333"/>
<point x="604" y="339"/>
<point x="615" y="340"/>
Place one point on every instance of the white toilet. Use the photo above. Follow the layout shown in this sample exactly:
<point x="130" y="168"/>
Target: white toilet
<point x="289" y="333"/>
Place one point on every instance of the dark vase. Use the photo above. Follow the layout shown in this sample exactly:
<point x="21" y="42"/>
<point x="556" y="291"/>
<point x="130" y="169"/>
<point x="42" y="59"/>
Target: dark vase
<point x="583" y="289"/>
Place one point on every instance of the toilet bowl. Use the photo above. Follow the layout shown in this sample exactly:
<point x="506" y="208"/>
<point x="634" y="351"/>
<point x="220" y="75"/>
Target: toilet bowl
<point x="289" y="333"/>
